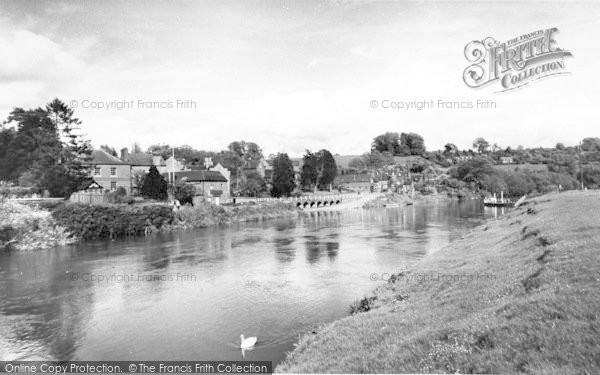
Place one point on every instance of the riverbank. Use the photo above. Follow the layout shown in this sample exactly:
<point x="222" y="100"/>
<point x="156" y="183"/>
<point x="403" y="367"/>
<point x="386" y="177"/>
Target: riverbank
<point x="24" y="227"/>
<point x="395" y="199"/>
<point x="516" y="295"/>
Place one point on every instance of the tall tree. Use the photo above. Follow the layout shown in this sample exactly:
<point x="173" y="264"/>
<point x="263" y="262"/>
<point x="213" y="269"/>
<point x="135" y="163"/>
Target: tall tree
<point x="283" y="176"/>
<point x="309" y="175"/>
<point x="238" y="155"/>
<point x="319" y="170"/>
<point x="247" y="151"/>
<point x="399" y="144"/>
<point x="481" y="145"/>
<point x="36" y="145"/>
<point x="75" y="150"/>
<point x="154" y="185"/>
<point x="411" y="144"/>
<point x="328" y="169"/>
<point x="46" y="147"/>
<point x="450" y="149"/>
<point x="7" y="163"/>
<point x="389" y="142"/>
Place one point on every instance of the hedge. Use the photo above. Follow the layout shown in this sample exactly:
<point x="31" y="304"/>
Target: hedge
<point x="91" y="222"/>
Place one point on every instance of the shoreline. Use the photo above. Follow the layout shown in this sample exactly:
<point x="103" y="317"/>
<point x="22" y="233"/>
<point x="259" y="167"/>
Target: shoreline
<point x="26" y="228"/>
<point x="73" y="223"/>
<point x="517" y="294"/>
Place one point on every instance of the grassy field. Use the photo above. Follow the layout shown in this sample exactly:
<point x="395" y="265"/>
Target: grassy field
<point x="516" y="295"/>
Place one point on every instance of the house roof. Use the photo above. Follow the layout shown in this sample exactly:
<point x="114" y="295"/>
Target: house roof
<point x="139" y="158"/>
<point x="89" y="183"/>
<point x="103" y="157"/>
<point x="198" y="176"/>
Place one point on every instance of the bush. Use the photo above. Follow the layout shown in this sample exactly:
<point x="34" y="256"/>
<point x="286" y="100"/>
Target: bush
<point x="91" y="222"/>
<point x="17" y="191"/>
<point x="185" y="193"/>
<point x="119" y="196"/>
<point x="363" y="305"/>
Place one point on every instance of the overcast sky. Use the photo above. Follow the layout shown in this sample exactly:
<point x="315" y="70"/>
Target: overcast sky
<point x="293" y="75"/>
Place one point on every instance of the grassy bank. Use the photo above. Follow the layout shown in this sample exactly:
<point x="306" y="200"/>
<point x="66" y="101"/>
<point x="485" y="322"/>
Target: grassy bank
<point x="517" y="295"/>
<point x="208" y="215"/>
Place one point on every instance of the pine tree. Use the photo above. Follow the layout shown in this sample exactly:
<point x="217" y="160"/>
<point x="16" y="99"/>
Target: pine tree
<point x="75" y="150"/>
<point x="154" y="185"/>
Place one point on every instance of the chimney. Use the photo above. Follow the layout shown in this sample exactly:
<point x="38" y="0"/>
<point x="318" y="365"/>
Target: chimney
<point x="124" y="153"/>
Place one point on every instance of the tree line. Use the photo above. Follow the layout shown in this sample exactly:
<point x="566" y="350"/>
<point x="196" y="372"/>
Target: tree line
<point x="44" y="148"/>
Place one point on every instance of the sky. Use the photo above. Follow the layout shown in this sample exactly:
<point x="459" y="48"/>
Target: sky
<point x="292" y="76"/>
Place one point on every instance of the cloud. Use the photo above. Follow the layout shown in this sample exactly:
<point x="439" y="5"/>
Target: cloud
<point x="33" y="67"/>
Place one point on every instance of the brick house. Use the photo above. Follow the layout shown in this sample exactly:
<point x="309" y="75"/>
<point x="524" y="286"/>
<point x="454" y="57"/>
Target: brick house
<point x="109" y="171"/>
<point x="209" y="184"/>
<point x="356" y="182"/>
<point x="141" y="162"/>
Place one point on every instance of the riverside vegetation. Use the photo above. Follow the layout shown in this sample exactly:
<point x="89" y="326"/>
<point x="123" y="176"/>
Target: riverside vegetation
<point x="23" y="227"/>
<point x="516" y="295"/>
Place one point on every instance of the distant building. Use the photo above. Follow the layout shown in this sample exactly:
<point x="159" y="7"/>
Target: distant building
<point x="356" y="182"/>
<point x="109" y="172"/>
<point x="209" y="184"/>
<point x="506" y="160"/>
<point x="171" y="164"/>
<point x="259" y="166"/>
<point x="141" y="162"/>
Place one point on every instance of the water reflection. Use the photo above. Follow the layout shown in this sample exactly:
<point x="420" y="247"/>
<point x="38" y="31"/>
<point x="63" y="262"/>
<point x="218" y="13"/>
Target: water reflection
<point x="274" y="280"/>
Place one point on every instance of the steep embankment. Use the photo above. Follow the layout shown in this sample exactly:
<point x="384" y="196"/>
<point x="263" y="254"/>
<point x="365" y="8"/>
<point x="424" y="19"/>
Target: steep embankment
<point x="521" y="294"/>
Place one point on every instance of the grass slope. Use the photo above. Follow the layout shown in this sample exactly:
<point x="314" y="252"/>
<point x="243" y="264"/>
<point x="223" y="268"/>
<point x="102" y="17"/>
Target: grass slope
<point x="517" y="295"/>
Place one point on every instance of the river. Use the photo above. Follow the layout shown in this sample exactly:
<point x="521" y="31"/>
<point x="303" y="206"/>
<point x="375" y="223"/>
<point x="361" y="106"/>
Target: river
<point x="189" y="295"/>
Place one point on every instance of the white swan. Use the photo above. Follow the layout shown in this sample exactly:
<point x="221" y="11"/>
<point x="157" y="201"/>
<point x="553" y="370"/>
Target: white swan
<point x="247" y="343"/>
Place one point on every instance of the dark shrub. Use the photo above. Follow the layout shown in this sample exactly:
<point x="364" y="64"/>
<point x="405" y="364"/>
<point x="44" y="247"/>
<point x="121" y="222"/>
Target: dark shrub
<point x="89" y="222"/>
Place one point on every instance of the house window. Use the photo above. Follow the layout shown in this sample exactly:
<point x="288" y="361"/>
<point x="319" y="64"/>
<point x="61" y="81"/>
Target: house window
<point x="113" y="171"/>
<point x="96" y="171"/>
<point x="113" y="185"/>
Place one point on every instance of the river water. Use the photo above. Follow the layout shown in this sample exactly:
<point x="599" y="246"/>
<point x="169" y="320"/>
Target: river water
<point x="189" y="295"/>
